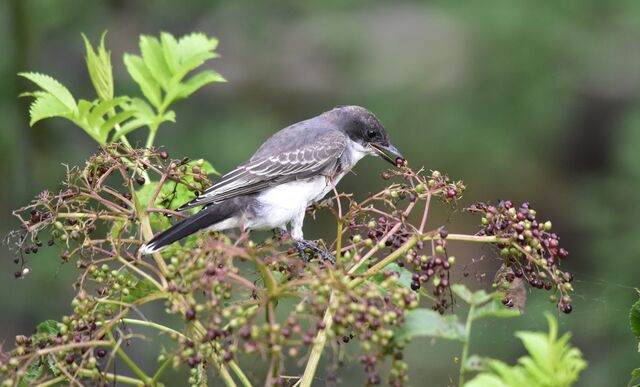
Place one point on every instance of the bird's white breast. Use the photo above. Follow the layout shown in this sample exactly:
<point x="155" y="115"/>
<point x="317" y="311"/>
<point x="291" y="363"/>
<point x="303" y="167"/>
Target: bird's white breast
<point x="279" y="204"/>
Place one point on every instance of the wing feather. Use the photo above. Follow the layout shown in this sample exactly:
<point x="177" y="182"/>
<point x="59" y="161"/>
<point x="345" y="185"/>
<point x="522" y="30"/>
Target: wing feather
<point x="294" y="162"/>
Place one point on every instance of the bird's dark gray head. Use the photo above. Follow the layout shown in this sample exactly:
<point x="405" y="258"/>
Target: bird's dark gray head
<point x="365" y="128"/>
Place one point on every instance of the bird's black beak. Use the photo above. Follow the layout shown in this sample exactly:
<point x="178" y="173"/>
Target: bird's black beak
<point x="389" y="153"/>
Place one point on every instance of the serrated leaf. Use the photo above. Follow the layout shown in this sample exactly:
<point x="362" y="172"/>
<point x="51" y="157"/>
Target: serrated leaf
<point x="95" y="117"/>
<point x="35" y="94"/>
<point x="169" y="116"/>
<point x="141" y="107"/>
<point x="472" y="298"/>
<point x="153" y="56"/>
<point x="405" y="275"/>
<point x="139" y="72"/>
<point x="129" y="127"/>
<point x="113" y="121"/>
<point x="140" y="289"/>
<point x="494" y="309"/>
<point x="635" y="378"/>
<point x="47" y="106"/>
<point x="170" y="50"/>
<point x="551" y="362"/>
<point x="84" y="107"/>
<point x="53" y="87"/>
<point x="34" y="372"/>
<point x="197" y="81"/>
<point x="100" y="70"/>
<point x="50" y="327"/>
<point x="486" y="380"/>
<point x="427" y="322"/>
<point x="634" y="319"/>
<point x="194" y="45"/>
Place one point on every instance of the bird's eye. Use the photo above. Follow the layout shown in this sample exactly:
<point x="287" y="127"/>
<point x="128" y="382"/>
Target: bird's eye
<point x="371" y="134"/>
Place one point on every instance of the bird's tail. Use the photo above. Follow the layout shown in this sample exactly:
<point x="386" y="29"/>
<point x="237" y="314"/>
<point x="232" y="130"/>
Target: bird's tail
<point x="207" y="217"/>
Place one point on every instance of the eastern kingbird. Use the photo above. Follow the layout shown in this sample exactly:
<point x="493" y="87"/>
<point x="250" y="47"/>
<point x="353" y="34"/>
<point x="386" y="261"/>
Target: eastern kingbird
<point x="294" y="168"/>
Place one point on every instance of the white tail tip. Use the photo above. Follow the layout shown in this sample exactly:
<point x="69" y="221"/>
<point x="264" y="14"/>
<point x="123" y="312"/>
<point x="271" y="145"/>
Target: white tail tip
<point x="148" y="249"/>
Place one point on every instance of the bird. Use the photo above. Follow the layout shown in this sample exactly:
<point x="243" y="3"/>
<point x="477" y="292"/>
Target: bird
<point x="296" y="167"/>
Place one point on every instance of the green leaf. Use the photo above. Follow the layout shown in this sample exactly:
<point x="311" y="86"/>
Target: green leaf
<point x="635" y="378"/>
<point x="486" y="380"/>
<point x="154" y="59"/>
<point x="48" y="106"/>
<point x="50" y="327"/>
<point x="471" y="298"/>
<point x="95" y="117"/>
<point x="551" y="362"/>
<point x="113" y="121"/>
<point x="634" y="319"/>
<point x="53" y="87"/>
<point x="405" y="275"/>
<point x="494" y="309"/>
<point x="100" y="70"/>
<point x="34" y="372"/>
<point x="128" y="127"/>
<point x="141" y="107"/>
<point x="197" y="81"/>
<point x="170" y="50"/>
<point x="195" y="48"/>
<point x="140" y="289"/>
<point x="140" y="73"/>
<point x="427" y="322"/>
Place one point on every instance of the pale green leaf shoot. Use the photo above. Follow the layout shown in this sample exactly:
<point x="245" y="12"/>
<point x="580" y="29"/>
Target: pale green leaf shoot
<point x="99" y="67"/>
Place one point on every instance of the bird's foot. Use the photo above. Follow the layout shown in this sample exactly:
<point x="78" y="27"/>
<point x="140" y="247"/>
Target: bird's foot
<point x="302" y="245"/>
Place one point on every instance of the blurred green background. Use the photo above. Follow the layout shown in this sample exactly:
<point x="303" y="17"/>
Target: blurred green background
<point x="524" y="100"/>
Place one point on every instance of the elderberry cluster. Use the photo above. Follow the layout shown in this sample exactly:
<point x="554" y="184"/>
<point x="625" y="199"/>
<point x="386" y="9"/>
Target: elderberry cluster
<point x="368" y="315"/>
<point x="530" y="250"/>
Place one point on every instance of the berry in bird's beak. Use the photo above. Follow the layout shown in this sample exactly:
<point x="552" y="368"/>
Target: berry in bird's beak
<point x="389" y="153"/>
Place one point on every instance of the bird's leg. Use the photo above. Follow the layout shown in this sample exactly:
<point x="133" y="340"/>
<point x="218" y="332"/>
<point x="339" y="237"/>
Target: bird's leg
<point x="302" y="244"/>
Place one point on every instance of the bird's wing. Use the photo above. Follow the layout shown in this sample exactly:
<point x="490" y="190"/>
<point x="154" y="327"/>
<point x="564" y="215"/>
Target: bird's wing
<point x="278" y="161"/>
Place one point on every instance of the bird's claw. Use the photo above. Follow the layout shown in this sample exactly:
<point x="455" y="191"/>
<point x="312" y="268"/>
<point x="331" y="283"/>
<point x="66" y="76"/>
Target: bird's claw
<point x="302" y="245"/>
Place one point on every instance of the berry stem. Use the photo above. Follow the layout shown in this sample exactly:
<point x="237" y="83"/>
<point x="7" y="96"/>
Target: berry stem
<point x="318" y="347"/>
<point x="465" y="346"/>
<point x="126" y="359"/>
<point x="163" y="367"/>
<point x="425" y="214"/>
<point x="112" y="377"/>
<point x="149" y="324"/>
